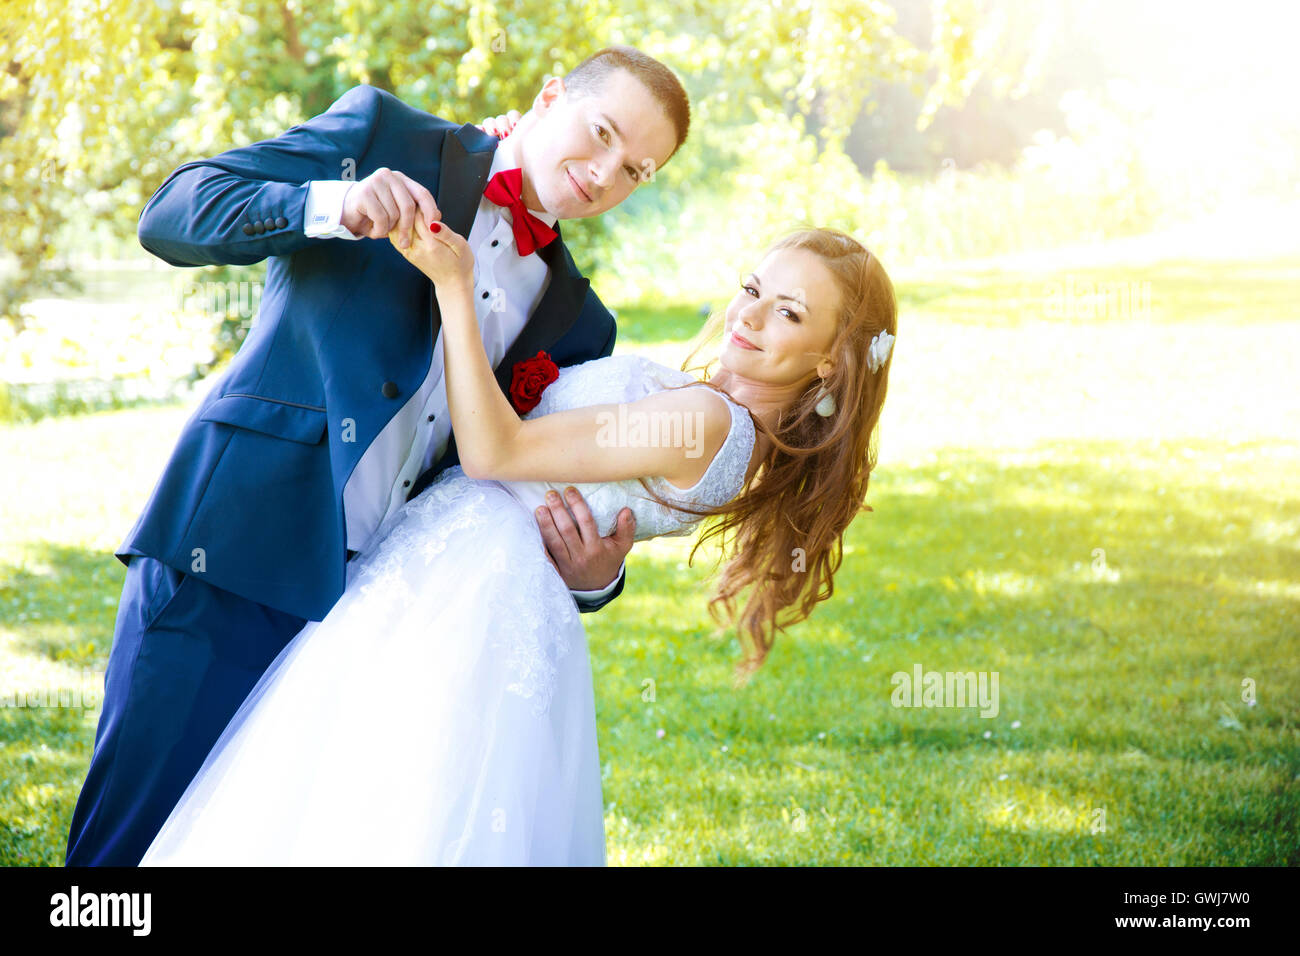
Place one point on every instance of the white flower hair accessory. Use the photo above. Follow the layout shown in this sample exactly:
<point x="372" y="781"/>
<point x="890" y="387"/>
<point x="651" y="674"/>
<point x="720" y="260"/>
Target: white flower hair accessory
<point x="878" y="354"/>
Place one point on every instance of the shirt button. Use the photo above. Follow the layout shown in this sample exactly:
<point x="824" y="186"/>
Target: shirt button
<point x="430" y="418"/>
<point x="406" y="484"/>
<point x="485" y="295"/>
<point x="496" y="242"/>
<point x="390" y="390"/>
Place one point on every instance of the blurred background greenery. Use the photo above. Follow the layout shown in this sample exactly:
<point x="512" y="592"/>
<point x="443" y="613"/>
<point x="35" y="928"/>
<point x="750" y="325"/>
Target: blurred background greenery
<point x="1087" y="457"/>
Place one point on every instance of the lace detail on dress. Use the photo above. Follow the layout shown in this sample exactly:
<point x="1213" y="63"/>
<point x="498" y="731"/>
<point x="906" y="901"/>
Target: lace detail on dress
<point x="536" y="642"/>
<point x="379" y="572"/>
<point x="455" y="504"/>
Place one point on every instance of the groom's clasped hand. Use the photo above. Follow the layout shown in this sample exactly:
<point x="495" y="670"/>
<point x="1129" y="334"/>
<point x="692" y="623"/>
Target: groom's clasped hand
<point x="388" y="201"/>
<point x="421" y="208"/>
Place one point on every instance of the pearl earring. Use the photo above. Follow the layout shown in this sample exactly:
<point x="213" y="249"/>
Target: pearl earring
<point x="825" y="406"/>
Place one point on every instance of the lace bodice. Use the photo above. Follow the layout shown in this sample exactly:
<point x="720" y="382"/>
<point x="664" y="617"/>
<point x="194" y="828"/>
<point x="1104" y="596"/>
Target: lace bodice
<point x="627" y="378"/>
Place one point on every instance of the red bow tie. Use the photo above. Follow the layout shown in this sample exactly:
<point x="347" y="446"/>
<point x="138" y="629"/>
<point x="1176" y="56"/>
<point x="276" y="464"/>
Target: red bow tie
<point x="505" y="189"/>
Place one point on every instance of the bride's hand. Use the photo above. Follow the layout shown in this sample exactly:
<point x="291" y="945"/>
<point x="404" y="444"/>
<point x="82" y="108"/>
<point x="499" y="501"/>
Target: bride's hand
<point x="438" y="252"/>
<point x="500" y="126"/>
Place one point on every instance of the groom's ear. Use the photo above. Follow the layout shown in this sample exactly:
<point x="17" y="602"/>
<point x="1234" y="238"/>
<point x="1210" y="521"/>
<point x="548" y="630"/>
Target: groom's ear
<point x="549" y="95"/>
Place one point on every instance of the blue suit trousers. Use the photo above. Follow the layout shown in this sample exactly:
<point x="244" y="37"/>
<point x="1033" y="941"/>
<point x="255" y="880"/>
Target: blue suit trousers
<point x="185" y="655"/>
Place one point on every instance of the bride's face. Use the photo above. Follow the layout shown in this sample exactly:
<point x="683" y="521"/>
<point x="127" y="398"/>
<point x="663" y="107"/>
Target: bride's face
<point x="781" y="322"/>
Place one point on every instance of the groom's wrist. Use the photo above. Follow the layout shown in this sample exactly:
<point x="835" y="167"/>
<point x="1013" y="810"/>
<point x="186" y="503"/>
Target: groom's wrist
<point x="323" y="213"/>
<point x="598" y="593"/>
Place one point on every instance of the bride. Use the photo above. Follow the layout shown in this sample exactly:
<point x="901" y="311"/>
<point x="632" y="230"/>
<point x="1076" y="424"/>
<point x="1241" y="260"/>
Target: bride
<point x="443" y="712"/>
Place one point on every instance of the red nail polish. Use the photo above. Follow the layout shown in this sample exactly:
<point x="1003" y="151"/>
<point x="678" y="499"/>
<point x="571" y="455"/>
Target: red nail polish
<point x="435" y="227"/>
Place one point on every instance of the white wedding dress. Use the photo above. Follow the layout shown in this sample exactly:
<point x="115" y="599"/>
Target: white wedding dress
<point x="442" y="713"/>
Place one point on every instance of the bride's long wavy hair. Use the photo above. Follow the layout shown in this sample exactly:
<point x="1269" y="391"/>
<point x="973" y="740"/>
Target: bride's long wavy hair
<point x="782" y="536"/>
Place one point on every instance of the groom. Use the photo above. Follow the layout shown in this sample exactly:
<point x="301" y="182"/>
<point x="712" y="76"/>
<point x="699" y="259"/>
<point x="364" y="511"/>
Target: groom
<point x="333" y="413"/>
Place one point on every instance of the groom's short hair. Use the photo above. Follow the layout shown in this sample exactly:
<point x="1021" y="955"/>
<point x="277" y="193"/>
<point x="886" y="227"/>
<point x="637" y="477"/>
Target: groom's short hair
<point x="589" y="76"/>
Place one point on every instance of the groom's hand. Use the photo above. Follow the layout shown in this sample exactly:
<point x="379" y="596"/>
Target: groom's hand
<point x="585" y="560"/>
<point x="387" y="201"/>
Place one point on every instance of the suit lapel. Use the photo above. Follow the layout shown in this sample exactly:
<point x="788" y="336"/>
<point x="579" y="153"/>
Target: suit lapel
<point x="463" y="176"/>
<point x="461" y="180"/>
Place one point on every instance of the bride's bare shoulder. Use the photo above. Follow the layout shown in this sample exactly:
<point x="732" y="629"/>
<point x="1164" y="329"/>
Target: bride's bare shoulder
<point x="695" y="420"/>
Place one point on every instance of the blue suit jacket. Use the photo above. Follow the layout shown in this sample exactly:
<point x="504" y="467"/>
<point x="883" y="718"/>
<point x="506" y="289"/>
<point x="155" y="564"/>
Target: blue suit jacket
<point x="252" y="496"/>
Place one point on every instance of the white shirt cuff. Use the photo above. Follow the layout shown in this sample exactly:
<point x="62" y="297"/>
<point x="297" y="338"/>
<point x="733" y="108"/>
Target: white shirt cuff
<point x="603" y="592"/>
<point x="323" y="216"/>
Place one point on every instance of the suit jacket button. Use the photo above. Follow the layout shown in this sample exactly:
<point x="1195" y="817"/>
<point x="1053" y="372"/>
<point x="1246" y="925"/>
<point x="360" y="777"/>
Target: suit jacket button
<point x="281" y="222"/>
<point x="269" y="224"/>
<point x="248" y="228"/>
<point x="390" y="390"/>
<point x="259" y="228"/>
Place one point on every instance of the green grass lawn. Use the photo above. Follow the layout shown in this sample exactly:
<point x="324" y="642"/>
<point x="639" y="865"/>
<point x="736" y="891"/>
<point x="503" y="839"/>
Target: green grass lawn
<point x="1102" y="511"/>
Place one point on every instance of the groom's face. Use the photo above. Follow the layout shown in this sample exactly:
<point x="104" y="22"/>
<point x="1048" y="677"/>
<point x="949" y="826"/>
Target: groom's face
<point x="584" y="155"/>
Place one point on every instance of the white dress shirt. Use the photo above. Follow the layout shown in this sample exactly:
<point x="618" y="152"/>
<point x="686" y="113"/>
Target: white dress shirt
<point x="417" y="435"/>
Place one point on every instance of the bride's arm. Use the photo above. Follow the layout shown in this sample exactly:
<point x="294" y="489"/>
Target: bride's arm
<point x="595" y="443"/>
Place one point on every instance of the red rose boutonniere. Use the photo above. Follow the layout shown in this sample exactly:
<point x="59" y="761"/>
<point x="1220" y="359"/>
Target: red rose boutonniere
<point x="531" y="376"/>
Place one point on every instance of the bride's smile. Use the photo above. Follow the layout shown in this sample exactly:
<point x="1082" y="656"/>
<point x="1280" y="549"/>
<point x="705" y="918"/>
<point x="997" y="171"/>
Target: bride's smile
<point x="786" y="310"/>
